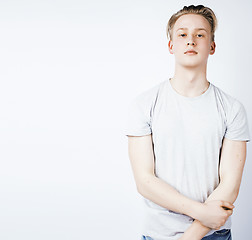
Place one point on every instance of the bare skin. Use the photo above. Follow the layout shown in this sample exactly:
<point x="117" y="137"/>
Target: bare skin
<point x="190" y="70"/>
<point x="190" y="80"/>
<point x="193" y="32"/>
<point x="211" y="214"/>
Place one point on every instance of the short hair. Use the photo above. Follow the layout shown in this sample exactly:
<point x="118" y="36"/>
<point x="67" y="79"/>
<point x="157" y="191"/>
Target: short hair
<point x="206" y="12"/>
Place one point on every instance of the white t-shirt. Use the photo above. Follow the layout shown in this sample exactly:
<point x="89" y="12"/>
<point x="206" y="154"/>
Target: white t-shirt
<point x="187" y="138"/>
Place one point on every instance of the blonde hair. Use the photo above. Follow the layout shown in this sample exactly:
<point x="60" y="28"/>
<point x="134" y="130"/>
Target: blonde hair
<point x="206" y="12"/>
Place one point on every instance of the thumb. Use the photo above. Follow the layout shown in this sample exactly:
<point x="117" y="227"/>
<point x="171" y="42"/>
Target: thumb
<point x="227" y="205"/>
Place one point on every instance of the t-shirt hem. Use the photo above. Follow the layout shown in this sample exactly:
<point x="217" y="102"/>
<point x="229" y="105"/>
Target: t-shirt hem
<point x="137" y="134"/>
<point x="237" y="139"/>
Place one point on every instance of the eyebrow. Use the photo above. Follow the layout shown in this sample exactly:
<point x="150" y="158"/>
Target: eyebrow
<point x="194" y="28"/>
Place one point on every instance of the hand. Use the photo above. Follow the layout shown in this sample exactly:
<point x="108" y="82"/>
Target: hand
<point x="214" y="214"/>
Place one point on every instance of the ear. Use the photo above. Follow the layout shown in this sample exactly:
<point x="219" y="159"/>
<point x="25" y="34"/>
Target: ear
<point x="170" y="46"/>
<point x="212" y="48"/>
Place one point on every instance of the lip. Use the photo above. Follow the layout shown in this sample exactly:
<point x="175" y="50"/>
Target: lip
<point x="191" y="52"/>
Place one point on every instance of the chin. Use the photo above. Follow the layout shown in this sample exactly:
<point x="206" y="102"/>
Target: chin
<point x="190" y="64"/>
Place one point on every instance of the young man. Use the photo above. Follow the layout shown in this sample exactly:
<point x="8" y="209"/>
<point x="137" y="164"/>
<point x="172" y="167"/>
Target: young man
<point x="187" y="140"/>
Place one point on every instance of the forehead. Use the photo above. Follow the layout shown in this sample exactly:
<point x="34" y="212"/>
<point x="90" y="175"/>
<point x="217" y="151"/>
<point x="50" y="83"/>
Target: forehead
<point x="192" y="21"/>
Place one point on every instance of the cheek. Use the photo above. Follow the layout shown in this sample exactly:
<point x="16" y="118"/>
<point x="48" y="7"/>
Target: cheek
<point x="180" y="40"/>
<point x="179" y="44"/>
<point x="207" y="47"/>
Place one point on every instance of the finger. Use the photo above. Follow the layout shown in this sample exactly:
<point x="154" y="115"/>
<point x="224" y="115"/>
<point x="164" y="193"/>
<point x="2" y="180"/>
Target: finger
<point x="227" y="205"/>
<point x="225" y="208"/>
<point x="230" y="212"/>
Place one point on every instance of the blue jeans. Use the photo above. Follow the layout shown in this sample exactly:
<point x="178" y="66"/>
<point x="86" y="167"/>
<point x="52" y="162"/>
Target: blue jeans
<point x="146" y="238"/>
<point x="224" y="234"/>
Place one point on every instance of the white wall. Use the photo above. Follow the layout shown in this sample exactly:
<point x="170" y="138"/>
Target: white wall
<point x="68" y="72"/>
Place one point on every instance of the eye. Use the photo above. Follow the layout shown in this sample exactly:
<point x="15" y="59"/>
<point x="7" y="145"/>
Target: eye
<point x="183" y="34"/>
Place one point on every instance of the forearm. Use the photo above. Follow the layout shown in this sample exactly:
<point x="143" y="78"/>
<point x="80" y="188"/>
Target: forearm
<point x="163" y="194"/>
<point x="223" y="192"/>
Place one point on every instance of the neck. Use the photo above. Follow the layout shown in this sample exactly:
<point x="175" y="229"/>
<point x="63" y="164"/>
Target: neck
<point x="189" y="83"/>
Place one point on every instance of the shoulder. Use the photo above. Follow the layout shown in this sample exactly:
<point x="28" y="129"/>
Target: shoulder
<point x="233" y="108"/>
<point x="223" y="95"/>
<point x="225" y="99"/>
<point x="140" y="111"/>
<point x="149" y="96"/>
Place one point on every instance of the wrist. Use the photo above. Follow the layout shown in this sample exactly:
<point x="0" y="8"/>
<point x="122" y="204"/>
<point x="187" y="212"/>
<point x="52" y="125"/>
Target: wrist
<point x="196" y="210"/>
<point x="196" y="231"/>
<point x="191" y="234"/>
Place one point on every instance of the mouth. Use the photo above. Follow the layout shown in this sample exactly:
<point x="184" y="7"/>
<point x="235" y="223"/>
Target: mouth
<point x="191" y="52"/>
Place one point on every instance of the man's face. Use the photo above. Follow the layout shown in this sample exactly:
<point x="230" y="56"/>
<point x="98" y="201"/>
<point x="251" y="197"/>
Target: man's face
<point x="197" y="30"/>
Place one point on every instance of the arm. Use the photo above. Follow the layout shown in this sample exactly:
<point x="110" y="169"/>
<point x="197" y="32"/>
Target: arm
<point x="148" y="185"/>
<point x="233" y="156"/>
<point x="155" y="189"/>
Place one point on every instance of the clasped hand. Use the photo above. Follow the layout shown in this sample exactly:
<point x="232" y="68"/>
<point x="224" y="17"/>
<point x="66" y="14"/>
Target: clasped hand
<point x="214" y="214"/>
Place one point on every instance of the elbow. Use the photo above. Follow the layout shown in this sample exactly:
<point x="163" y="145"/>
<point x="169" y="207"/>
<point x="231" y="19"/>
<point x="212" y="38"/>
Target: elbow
<point x="236" y="193"/>
<point x="231" y="189"/>
<point x="143" y="184"/>
<point x="139" y="189"/>
<point x="233" y="194"/>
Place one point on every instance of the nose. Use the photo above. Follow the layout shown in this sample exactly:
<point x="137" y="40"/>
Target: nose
<point x="190" y="42"/>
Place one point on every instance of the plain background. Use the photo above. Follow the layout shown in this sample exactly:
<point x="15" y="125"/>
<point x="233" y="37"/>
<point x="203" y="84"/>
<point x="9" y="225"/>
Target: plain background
<point x="68" y="72"/>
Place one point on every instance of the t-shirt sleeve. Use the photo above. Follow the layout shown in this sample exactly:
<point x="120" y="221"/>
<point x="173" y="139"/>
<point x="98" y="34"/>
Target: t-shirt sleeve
<point x="138" y="121"/>
<point x="237" y="123"/>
